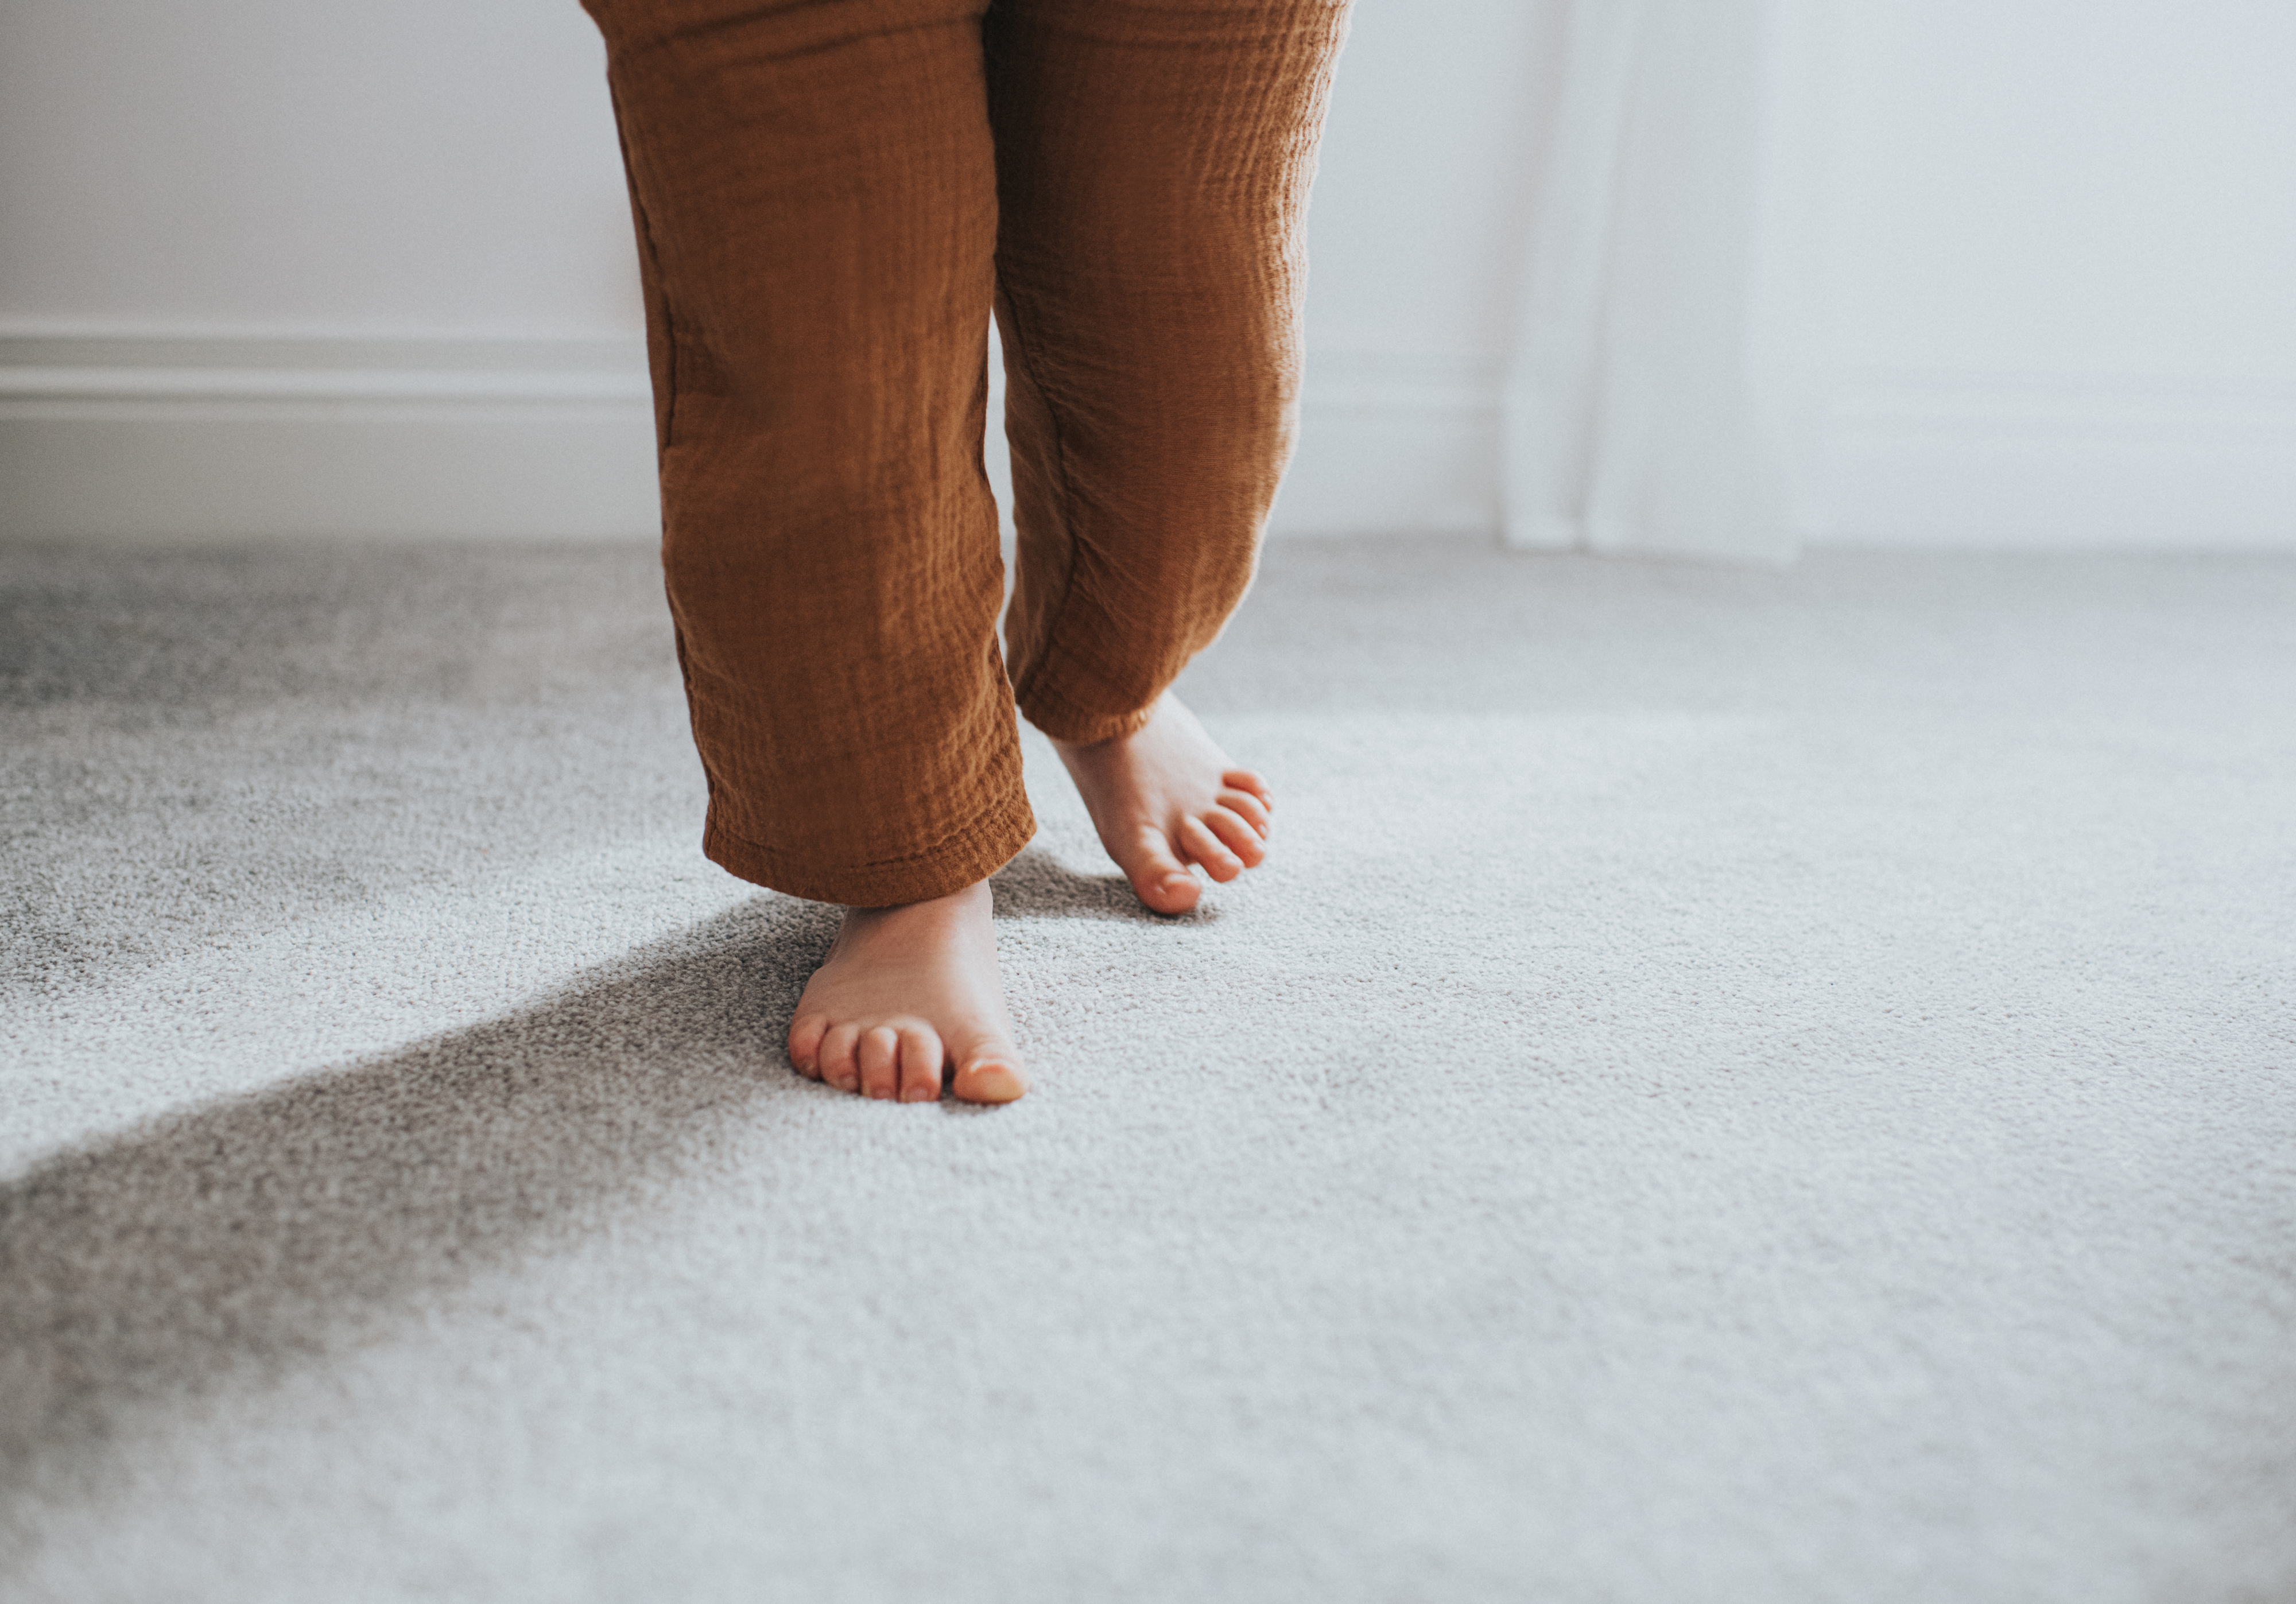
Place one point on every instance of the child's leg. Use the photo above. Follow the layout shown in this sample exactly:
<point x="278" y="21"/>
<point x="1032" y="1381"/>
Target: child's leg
<point x="1152" y="165"/>
<point x="816" y="212"/>
<point x="814" y="192"/>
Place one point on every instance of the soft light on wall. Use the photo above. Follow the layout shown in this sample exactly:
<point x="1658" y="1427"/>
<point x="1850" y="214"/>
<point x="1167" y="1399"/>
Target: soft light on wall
<point x="2019" y="274"/>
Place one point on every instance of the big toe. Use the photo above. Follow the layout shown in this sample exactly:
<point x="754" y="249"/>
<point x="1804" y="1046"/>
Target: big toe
<point x="1161" y="879"/>
<point x="989" y="1075"/>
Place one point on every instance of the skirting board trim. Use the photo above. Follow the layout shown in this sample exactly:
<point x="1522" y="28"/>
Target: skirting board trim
<point x="188" y="436"/>
<point x="196" y="436"/>
<point x="2025" y="461"/>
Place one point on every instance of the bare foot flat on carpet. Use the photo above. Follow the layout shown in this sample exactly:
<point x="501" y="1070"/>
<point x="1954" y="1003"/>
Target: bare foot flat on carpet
<point x="1166" y="797"/>
<point x="908" y="1000"/>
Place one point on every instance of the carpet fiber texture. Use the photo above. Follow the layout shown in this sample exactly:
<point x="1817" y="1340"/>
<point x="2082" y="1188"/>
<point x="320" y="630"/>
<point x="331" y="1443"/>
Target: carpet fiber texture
<point x="1732" y="1085"/>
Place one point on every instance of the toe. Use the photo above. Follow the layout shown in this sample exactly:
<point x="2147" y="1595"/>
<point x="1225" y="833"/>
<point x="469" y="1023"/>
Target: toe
<point x="806" y="1032"/>
<point x="1237" y="837"/>
<point x="880" y="1056"/>
<point x="921" y="1060"/>
<point x="840" y="1065"/>
<point x="1246" y="807"/>
<point x="1159" y="878"/>
<point x="1209" y="850"/>
<point x="989" y="1075"/>
<point x="1249" y="780"/>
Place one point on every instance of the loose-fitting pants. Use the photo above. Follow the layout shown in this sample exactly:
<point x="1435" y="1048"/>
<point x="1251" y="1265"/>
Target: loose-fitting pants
<point x="829" y="196"/>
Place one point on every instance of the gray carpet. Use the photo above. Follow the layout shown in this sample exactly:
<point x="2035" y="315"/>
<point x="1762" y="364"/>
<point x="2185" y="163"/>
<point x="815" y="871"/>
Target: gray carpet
<point x="1733" y="1086"/>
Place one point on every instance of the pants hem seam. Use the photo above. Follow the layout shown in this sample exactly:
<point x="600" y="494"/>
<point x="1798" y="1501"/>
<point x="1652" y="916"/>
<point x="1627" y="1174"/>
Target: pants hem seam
<point x="970" y="856"/>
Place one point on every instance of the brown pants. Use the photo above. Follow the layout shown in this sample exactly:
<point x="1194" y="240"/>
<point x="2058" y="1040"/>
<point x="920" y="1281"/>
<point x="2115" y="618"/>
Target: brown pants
<point x="830" y="194"/>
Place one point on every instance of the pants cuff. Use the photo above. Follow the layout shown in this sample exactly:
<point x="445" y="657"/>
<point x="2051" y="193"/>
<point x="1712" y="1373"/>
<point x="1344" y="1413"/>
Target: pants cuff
<point x="968" y="858"/>
<point x="1064" y="719"/>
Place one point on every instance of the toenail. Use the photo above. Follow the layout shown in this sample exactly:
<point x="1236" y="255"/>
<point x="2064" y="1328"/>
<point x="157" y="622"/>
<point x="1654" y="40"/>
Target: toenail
<point x="992" y="1077"/>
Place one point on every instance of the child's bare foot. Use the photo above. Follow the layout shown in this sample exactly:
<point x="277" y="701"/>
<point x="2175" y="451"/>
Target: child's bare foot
<point x="1165" y="796"/>
<point x="909" y="997"/>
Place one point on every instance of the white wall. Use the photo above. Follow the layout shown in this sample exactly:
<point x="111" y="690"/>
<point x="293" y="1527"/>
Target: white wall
<point x="1421" y="206"/>
<point x="307" y="266"/>
<point x="309" y="167"/>
<point x="2056" y="241"/>
<point x="314" y="267"/>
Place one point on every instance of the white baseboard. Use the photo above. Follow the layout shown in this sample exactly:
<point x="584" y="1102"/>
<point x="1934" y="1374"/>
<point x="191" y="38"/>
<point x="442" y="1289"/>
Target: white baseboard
<point x="2039" y="464"/>
<point x="200" y="438"/>
<point x="1394" y="445"/>
<point x="194" y="438"/>
<point x="1953" y="461"/>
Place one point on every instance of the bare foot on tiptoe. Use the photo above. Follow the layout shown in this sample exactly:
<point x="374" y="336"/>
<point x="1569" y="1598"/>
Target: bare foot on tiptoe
<point x="1166" y="797"/>
<point x="908" y="1001"/>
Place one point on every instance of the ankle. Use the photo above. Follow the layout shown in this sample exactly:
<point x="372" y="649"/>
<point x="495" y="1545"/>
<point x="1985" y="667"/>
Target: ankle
<point x="957" y="905"/>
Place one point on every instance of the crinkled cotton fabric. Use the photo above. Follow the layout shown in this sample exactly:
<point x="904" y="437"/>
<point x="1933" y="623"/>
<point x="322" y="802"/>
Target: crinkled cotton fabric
<point x="830" y="198"/>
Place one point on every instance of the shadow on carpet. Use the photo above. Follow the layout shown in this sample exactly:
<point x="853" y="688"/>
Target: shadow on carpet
<point x="1037" y="885"/>
<point x="217" y="1248"/>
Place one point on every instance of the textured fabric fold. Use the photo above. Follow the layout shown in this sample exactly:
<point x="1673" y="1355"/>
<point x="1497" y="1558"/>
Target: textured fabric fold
<point x="831" y="197"/>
